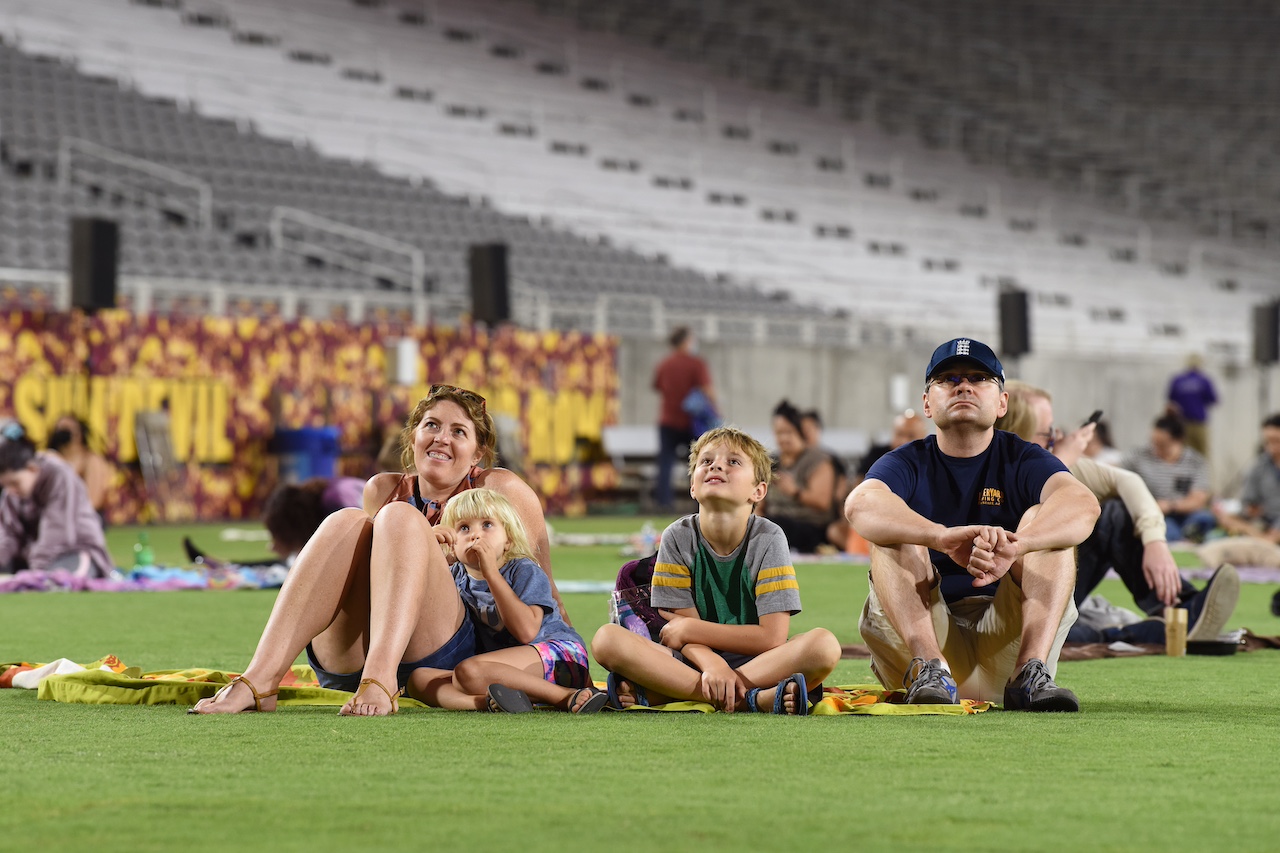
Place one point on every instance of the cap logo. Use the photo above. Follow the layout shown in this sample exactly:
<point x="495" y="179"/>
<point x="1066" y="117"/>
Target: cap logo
<point x="962" y="347"/>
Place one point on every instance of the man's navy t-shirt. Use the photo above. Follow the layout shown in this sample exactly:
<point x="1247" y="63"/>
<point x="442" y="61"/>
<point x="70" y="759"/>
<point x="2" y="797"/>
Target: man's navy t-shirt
<point x="995" y="487"/>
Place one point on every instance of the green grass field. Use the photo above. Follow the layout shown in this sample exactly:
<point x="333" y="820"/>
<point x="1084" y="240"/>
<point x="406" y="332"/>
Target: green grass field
<point x="1169" y="754"/>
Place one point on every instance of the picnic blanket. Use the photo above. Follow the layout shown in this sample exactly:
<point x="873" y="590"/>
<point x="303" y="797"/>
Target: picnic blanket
<point x="108" y="681"/>
<point x="866" y="699"/>
<point x="146" y="579"/>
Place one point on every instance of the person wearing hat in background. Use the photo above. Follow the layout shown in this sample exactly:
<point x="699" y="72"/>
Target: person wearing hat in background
<point x="972" y="533"/>
<point x="46" y="520"/>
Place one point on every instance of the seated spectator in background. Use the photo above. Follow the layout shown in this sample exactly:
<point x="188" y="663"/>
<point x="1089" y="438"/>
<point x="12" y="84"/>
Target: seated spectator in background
<point x="1100" y="448"/>
<point x="70" y="440"/>
<point x="811" y="430"/>
<point x="293" y="513"/>
<point x="1259" y="514"/>
<point x="838" y="530"/>
<point x="1178" y="477"/>
<point x="46" y="521"/>
<point x="907" y="427"/>
<point x="801" y="500"/>
<point x="390" y="455"/>
<point x="1129" y="535"/>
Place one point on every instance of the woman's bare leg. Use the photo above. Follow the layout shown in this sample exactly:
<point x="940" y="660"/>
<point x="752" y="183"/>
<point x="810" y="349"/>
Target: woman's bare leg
<point x="414" y="607"/>
<point x="324" y="599"/>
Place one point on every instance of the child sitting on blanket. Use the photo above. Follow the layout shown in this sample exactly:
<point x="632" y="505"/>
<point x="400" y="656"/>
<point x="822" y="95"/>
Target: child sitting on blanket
<point x="525" y="650"/>
<point x="725" y="581"/>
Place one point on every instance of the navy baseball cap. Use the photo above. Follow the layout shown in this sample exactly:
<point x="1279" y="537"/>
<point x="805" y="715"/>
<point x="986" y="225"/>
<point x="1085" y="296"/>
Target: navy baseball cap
<point x="965" y="351"/>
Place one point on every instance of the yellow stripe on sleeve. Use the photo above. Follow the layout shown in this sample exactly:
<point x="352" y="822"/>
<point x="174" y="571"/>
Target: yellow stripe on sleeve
<point x="672" y="575"/>
<point x="775" y="572"/>
<point x="776" y="586"/>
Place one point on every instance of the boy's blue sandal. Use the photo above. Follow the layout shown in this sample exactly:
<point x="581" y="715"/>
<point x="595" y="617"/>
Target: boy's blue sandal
<point x="780" y="695"/>
<point x="508" y="700"/>
<point x="614" y="702"/>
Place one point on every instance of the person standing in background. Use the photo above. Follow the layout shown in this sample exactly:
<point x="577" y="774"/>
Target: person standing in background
<point x="677" y="376"/>
<point x="1191" y="393"/>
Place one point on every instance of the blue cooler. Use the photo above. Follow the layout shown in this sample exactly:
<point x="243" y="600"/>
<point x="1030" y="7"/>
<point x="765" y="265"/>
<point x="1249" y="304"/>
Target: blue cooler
<point x="306" y="453"/>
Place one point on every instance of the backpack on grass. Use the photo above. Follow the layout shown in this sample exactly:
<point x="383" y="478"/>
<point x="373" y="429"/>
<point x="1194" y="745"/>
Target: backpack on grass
<point x="629" y="602"/>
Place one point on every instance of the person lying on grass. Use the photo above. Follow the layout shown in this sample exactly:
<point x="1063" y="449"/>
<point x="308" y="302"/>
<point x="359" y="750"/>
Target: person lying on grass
<point x="371" y="598"/>
<point x="725" y="582"/>
<point x="525" y="650"/>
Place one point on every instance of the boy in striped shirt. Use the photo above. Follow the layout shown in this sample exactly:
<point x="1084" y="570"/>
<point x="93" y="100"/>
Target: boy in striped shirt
<point x="725" y="582"/>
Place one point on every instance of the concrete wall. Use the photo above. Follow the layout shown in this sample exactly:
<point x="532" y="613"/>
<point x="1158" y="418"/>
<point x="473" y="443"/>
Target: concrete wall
<point x="852" y="388"/>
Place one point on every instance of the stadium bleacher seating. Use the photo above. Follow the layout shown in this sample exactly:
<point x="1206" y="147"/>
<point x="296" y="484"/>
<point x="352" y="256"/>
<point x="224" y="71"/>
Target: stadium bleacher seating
<point x="715" y="135"/>
<point x="77" y="144"/>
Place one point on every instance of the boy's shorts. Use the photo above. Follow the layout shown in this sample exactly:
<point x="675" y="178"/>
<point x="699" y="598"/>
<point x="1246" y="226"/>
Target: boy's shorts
<point x="979" y="636"/>
<point x="458" y="648"/>
<point x="734" y="659"/>
<point x="564" y="662"/>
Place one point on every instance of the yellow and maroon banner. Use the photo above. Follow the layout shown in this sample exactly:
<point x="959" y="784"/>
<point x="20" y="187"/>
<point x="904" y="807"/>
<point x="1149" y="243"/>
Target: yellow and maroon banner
<point x="227" y="384"/>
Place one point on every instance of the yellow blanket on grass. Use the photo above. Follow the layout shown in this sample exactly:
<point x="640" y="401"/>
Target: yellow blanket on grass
<point x="852" y="699"/>
<point x="109" y="682"/>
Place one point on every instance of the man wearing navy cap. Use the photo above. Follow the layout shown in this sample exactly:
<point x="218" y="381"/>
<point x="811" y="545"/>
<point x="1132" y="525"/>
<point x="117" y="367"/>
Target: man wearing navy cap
<point x="972" y="532"/>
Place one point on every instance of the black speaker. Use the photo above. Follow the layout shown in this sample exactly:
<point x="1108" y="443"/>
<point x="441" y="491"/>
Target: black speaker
<point x="1015" y="323"/>
<point x="490" y="302"/>
<point x="94" y="260"/>
<point x="1266" y="333"/>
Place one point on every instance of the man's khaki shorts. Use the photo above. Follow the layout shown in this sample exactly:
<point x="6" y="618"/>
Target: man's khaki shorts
<point x="979" y="637"/>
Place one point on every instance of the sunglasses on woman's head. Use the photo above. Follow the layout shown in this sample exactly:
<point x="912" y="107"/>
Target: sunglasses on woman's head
<point x="437" y="390"/>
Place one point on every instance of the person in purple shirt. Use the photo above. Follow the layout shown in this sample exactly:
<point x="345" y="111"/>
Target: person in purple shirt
<point x="1191" y="394"/>
<point x="46" y="520"/>
<point x="972" y="534"/>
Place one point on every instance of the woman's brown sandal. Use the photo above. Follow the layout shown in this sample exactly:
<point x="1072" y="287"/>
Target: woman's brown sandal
<point x="257" y="697"/>
<point x="365" y="682"/>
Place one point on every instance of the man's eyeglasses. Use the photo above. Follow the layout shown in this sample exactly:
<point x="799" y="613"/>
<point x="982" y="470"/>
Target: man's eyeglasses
<point x="438" y="390"/>
<point x="1050" y="438"/>
<point x="977" y="380"/>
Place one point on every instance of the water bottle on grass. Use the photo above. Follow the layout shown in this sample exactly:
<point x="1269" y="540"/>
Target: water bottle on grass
<point x="143" y="555"/>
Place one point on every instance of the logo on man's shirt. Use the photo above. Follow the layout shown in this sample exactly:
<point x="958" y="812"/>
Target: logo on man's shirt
<point x="991" y="497"/>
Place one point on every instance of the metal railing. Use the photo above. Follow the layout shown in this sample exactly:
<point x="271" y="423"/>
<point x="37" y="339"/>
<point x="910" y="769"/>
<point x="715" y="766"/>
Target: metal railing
<point x="285" y="226"/>
<point x="168" y="185"/>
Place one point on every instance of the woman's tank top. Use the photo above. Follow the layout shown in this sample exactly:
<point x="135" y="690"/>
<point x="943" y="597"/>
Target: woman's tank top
<point x="407" y="490"/>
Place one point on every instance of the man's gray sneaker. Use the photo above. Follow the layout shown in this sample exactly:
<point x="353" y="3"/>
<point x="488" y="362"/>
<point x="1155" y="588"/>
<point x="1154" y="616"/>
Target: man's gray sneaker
<point x="1033" y="689"/>
<point x="1210" y="608"/>
<point x="928" y="683"/>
